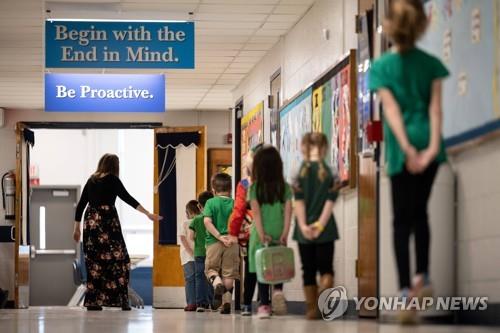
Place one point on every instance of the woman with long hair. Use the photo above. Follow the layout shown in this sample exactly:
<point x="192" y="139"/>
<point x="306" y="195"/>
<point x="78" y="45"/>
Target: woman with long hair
<point x="106" y="256"/>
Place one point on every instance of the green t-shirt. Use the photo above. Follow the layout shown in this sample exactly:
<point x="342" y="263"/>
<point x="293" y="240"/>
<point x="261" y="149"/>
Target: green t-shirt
<point x="273" y="221"/>
<point x="198" y="226"/>
<point x="309" y="186"/>
<point x="409" y="76"/>
<point x="219" y="209"/>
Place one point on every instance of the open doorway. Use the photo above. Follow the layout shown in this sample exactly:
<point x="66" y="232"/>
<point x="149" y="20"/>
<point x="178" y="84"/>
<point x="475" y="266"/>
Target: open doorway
<point x="60" y="163"/>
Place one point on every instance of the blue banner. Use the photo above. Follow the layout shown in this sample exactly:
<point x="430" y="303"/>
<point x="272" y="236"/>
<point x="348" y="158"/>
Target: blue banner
<point x="119" y="44"/>
<point x="104" y="93"/>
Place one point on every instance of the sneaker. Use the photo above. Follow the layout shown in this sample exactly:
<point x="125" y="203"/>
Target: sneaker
<point x="246" y="310"/>
<point x="264" y="312"/>
<point x="218" y="292"/>
<point x="421" y="287"/>
<point x="279" y="303"/>
<point x="190" y="308"/>
<point x="200" y="309"/>
<point x="226" y="303"/>
<point x="407" y="316"/>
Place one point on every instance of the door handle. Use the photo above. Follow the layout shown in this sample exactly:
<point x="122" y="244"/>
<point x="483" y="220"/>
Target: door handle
<point x="35" y="252"/>
<point x="55" y="251"/>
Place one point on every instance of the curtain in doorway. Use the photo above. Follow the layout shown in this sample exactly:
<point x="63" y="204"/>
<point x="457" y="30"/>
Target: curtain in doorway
<point x="176" y="180"/>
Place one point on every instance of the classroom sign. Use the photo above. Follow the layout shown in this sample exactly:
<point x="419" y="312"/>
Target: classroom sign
<point x="119" y="44"/>
<point x="104" y="93"/>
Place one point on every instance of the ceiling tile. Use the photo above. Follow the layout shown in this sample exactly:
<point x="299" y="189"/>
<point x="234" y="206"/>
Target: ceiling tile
<point x="231" y="37"/>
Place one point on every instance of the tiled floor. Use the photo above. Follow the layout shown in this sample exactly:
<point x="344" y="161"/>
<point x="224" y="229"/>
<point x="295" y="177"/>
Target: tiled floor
<point x="75" y="320"/>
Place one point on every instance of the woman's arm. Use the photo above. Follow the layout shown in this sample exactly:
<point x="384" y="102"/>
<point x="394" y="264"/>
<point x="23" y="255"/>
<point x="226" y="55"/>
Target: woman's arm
<point x="82" y="203"/>
<point x="151" y="216"/>
<point x="257" y="219"/>
<point x="123" y="194"/>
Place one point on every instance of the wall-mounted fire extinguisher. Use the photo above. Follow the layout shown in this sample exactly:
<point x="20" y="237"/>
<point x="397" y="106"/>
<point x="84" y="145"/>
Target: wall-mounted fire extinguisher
<point x="9" y="195"/>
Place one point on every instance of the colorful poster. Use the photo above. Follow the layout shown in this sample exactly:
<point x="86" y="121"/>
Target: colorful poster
<point x="317" y="109"/>
<point x="252" y="129"/>
<point x="364" y="97"/>
<point x="340" y="144"/>
<point x="338" y="117"/>
<point x="295" y="121"/>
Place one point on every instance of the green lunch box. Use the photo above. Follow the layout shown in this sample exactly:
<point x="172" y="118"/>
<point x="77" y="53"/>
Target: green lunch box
<point x="274" y="264"/>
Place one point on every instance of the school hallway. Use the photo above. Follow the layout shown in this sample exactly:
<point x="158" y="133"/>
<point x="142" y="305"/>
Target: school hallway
<point x="304" y="157"/>
<point x="76" y="320"/>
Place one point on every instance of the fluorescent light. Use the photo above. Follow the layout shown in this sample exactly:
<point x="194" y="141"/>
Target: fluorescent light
<point x="116" y="20"/>
<point x="42" y="228"/>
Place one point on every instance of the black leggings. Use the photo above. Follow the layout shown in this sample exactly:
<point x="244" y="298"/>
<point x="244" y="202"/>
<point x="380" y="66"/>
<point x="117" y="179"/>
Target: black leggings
<point x="410" y="195"/>
<point x="316" y="258"/>
<point x="249" y="286"/>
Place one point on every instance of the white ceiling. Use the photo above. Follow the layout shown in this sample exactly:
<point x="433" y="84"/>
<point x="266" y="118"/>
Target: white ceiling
<point x="231" y="37"/>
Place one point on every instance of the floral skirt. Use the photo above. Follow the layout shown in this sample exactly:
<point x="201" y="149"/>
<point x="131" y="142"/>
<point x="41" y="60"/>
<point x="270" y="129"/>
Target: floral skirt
<point x="106" y="258"/>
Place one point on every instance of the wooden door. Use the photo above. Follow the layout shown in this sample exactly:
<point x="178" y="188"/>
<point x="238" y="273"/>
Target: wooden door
<point x="168" y="277"/>
<point x="219" y="160"/>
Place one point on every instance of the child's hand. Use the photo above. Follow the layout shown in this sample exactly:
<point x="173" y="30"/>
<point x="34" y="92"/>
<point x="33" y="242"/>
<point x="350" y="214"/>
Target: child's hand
<point x="283" y="239"/>
<point x="317" y="228"/>
<point x="233" y="239"/>
<point x="226" y="241"/>
<point x="265" y="239"/>
<point x="307" y="232"/>
<point x="315" y="232"/>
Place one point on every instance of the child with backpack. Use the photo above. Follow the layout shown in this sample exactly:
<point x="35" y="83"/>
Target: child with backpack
<point x="270" y="200"/>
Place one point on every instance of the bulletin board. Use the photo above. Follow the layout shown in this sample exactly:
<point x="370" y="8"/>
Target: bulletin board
<point x="252" y="129"/>
<point x="335" y="114"/>
<point x="295" y="121"/>
<point x="465" y="35"/>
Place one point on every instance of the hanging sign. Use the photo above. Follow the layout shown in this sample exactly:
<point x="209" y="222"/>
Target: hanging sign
<point x="104" y="93"/>
<point x="119" y="44"/>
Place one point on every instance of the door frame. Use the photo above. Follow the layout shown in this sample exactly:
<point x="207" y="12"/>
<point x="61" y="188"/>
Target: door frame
<point x="21" y="275"/>
<point x="213" y="159"/>
<point x="170" y="253"/>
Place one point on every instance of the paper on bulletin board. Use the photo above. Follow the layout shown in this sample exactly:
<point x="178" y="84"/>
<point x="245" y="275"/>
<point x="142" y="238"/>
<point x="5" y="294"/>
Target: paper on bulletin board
<point x="295" y="121"/>
<point x="252" y="129"/>
<point x="317" y="101"/>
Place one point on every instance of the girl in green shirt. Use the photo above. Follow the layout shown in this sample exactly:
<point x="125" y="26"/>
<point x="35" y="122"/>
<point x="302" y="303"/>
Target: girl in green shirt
<point x="270" y="200"/>
<point x="315" y="189"/>
<point x="409" y="83"/>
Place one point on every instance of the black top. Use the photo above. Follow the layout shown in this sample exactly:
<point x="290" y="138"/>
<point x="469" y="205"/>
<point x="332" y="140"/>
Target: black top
<point x="103" y="192"/>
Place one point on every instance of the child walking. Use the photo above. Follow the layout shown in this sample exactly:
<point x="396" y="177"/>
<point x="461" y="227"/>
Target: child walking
<point x="270" y="199"/>
<point x="239" y="229"/>
<point x="204" y="290"/>
<point x="187" y="258"/>
<point x="315" y="229"/>
<point x="222" y="255"/>
<point x="409" y="83"/>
